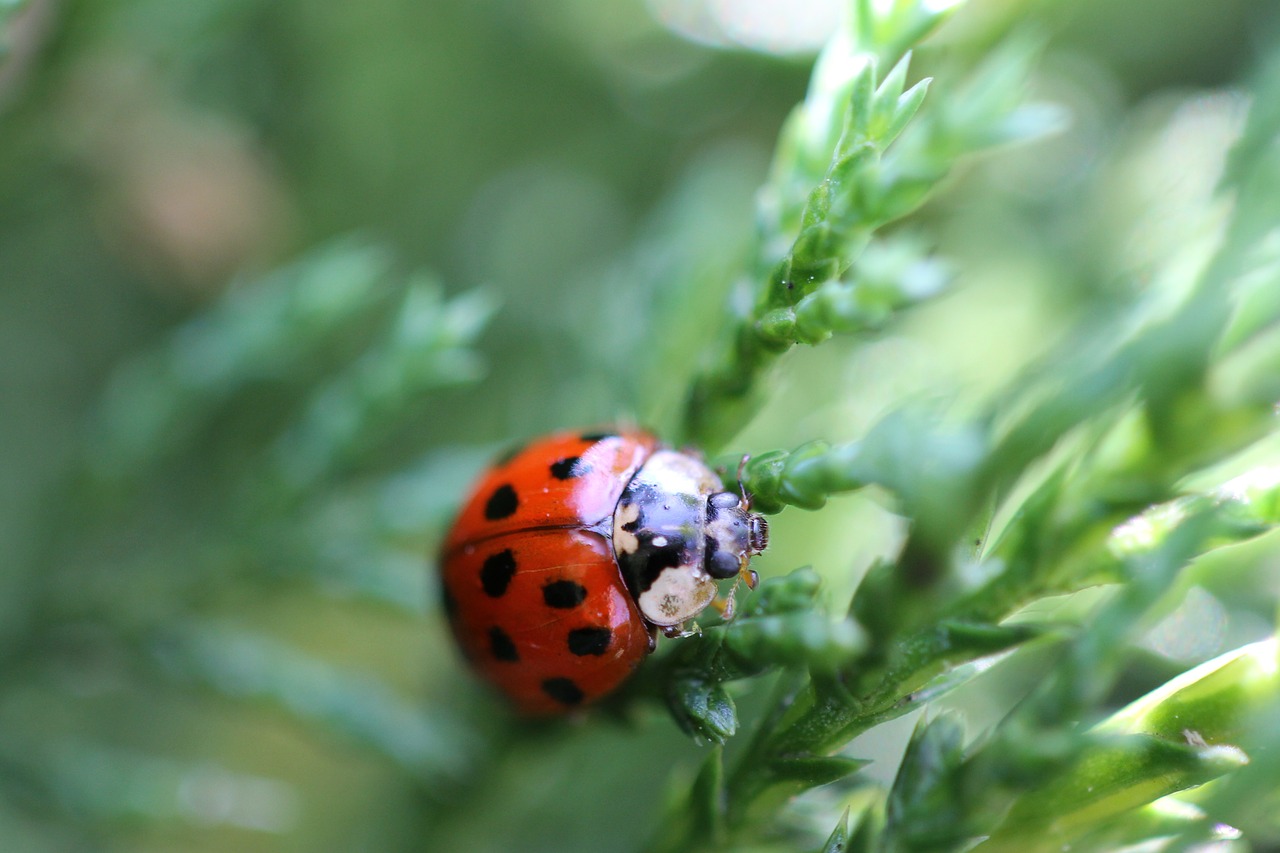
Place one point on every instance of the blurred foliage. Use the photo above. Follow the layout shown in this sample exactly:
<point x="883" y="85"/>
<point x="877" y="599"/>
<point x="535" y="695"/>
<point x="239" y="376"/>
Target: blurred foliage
<point x="1000" y="297"/>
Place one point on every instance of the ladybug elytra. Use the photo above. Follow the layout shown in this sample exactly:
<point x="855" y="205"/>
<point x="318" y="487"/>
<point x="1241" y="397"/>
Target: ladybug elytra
<point x="574" y="551"/>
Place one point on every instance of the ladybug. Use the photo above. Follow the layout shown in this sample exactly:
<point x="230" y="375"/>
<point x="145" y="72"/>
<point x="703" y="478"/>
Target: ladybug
<point x="573" y="552"/>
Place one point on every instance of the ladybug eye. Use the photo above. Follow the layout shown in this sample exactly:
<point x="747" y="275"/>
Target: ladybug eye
<point x="724" y="500"/>
<point x="722" y="564"/>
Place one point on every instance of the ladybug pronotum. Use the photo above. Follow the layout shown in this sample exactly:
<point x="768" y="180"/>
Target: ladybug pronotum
<point x="573" y="552"/>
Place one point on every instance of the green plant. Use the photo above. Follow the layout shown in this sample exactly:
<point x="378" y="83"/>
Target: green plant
<point x="1110" y="411"/>
<point x="1106" y="410"/>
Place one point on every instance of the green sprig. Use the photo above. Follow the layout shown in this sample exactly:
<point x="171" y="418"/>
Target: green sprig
<point x="880" y="163"/>
<point x="270" y="330"/>
<point x="782" y="627"/>
<point x="241" y="664"/>
<point x="426" y="348"/>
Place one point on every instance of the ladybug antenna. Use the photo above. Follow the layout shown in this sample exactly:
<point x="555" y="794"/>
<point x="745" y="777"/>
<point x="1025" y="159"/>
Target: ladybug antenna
<point x="742" y="488"/>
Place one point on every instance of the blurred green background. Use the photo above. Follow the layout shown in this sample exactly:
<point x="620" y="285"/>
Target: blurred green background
<point x="215" y="620"/>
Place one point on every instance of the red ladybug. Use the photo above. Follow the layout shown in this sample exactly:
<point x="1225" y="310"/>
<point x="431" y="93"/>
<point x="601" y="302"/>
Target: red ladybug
<point x="572" y="552"/>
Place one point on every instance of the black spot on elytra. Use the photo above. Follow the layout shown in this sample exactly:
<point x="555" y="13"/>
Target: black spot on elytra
<point x="564" y="595"/>
<point x="502" y="503"/>
<point x="501" y="646"/>
<point x="497" y="572"/>
<point x="563" y="690"/>
<point x="570" y="467"/>
<point x="593" y="437"/>
<point x="589" y="641"/>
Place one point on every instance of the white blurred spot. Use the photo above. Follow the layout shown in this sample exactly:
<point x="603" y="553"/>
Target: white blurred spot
<point x="1260" y="482"/>
<point x="1192" y="632"/>
<point x="211" y="795"/>
<point x="1143" y="532"/>
<point x="801" y="26"/>
<point x="1174" y="175"/>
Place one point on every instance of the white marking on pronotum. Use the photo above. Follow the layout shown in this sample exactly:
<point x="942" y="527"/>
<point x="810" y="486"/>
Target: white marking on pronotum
<point x="677" y="594"/>
<point x="659" y="541"/>
<point x="624" y="541"/>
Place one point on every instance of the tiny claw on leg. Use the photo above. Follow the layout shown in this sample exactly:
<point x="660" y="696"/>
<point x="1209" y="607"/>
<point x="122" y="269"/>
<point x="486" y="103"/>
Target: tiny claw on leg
<point x="753" y="578"/>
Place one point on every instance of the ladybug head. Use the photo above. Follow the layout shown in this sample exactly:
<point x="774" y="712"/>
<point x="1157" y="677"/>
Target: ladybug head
<point x="734" y="534"/>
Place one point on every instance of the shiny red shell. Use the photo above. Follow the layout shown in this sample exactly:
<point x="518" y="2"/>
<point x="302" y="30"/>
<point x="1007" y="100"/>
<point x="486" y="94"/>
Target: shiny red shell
<point x="534" y="595"/>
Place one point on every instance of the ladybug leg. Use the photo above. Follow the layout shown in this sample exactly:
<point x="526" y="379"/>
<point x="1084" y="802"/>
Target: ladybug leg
<point x="726" y="606"/>
<point x="723" y="471"/>
<point x="653" y="638"/>
<point x="679" y="632"/>
<point x="742" y="466"/>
